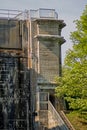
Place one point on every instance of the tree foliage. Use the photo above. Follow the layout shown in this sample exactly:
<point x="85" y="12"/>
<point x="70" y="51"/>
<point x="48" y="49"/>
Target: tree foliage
<point x="73" y="83"/>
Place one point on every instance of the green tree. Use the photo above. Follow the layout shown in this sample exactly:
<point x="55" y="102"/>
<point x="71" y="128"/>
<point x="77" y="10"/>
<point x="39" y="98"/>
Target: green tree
<point x="73" y="83"/>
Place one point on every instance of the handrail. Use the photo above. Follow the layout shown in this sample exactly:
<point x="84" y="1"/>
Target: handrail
<point x="43" y="13"/>
<point x="9" y="13"/>
<point x="57" y="117"/>
<point x="62" y="114"/>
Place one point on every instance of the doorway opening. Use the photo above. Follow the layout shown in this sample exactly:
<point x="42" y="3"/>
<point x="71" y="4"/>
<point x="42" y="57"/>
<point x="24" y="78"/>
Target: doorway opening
<point x="52" y="99"/>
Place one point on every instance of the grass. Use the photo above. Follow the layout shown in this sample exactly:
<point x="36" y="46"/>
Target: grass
<point x="77" y="122"/>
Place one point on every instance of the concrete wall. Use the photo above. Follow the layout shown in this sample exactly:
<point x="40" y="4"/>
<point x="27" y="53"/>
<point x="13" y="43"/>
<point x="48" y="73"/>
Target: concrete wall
<point x="10" y="34"/>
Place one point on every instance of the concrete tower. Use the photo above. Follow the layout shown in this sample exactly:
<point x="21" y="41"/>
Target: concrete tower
<point x="45" y="41"/>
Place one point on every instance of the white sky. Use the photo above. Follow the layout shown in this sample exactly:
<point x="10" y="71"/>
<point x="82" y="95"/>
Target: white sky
<point x="68" y="10"/>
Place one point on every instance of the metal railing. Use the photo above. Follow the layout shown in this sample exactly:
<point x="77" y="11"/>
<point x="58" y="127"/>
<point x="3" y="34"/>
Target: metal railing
<point x="43" y="13"/>
<point x="66" y="120"/>
<point x="6" y="13"/>
<point x="19" y="14"/>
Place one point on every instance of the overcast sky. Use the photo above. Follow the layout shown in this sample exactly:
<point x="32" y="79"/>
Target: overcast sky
<point x="68" y="10"/>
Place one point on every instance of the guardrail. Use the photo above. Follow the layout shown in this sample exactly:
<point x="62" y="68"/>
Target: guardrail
<point x="43" y="13"/>
<point x="6" y="13"/>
